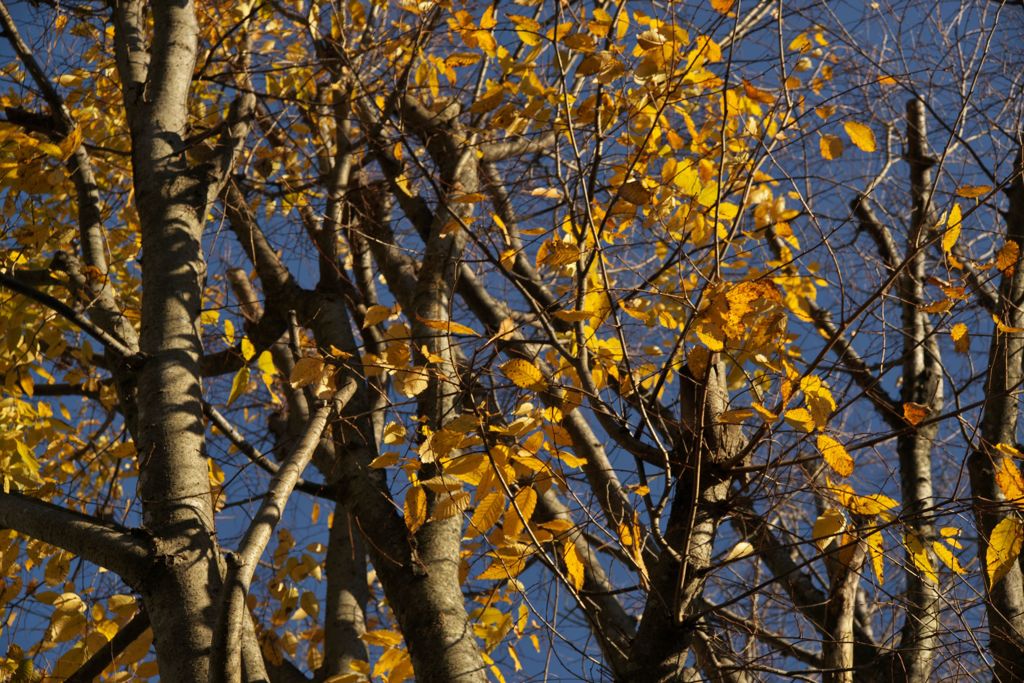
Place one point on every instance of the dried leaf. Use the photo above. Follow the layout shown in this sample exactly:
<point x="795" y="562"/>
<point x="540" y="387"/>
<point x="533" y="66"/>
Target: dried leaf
<point x="914" y="413"/>
<point x="973" y="191"/>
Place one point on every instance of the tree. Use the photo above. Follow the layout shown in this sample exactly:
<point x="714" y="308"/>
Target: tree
<point x="654" y="341"/>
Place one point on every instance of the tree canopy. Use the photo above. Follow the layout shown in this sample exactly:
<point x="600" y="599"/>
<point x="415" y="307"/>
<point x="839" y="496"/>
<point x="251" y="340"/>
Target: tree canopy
<point x="467" y="341"/>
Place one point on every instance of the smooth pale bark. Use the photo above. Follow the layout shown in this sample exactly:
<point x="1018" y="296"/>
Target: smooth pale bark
<point x="1005" y="604"/>
<point x="173" y="475"/>
<point x="923" y="385"/>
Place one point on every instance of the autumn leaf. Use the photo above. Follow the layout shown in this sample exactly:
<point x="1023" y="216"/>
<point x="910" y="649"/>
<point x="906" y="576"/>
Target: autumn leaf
<point x="448" y="326"/>
<point x="874" y="542"/>
<point x="412" y="382"/>
<point x="831" y="147"/>
<point x="306" y="371"/>
<point x="827" y="527"/>
<point x="1007" y="257"/>
<point x="860" y="135"/>
<point x="523" y="373"/>
<point x="947" y="557"/>
<point x="488" y="512"/>
<point x="973" y="191"/>
<point x="239" y="384"/>
<point x="961" y="339"/>
<point x="573" y="563"/>
<point x="376" y="314"/>
<point x="835" y="455"/>
<point x="919" y="555"/>
<point x="722" y="6"/>
<point x="248" y="350"/>
<point x="415" y="507"/>
<point x="1003" y="548"/>
<point x="914" y="413"/>
<point x="952" y="233"/>
<point x="1010" y="481"/>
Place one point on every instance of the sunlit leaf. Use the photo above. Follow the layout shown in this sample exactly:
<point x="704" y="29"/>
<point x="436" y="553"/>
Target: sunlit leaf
<point x="973" y="191"/>
<point x="952" y="234"/>
<point x="919" y="555"/>
<point x="835" y="455"/>
<point x="914" y="413"/>
<point x="573" y="563"/>
<point x="860" y="135"/>
<point x="827" y="527"/>
<point x="523" y="373"/>
<point x="239" y="384"/>
<point x="1003" y="548"/>
<point x="831" y="147"/>
<point x="961" y="338"/>
<point x="415" y="507"/>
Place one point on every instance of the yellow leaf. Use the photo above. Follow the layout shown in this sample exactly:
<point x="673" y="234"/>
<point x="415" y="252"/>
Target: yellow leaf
<point x="306" y="372"/>
<point x="394" y="432"/>
<point x="800" y="418"/>
<point x="722" y="6"/>
<point x="248" y="350"/>
<point x="919" y="554"/>
<point x="952" y="233"/>
<point x="412" y="382"/>
<point x="1004" y="328"/>
<point x="914" y="413"/>
<point x="1010" y="482"/>
<point x="973" y="191"/>
<point x="831" y="147"/>
<point x="310" y="605"/>
<point x="766" y="415"/>
<point x="239" y="384"/>
<point x="827" y="527"/>
<point x="860" y="135"/>
<point x="523" y="373"/>
<point x="1006" y="259"/>
<point x="573" y="563"/>
<point x="947" y="557"/>
<point x="739" y="551"/>
<point x="525" y="502"/>
<point x="448" y="326"/>
<point x="375" y="315"/>
<point x="835" y="455"/>
<point x="488" y="512"/>
<point x="1008" y="450"/>
<point x="874" y="542"/>
<point x="451" y="505"/>
<point x="1003" y="548"/>
<point x="415" y="508"/>
<point x="961" y="340"/>
<point x="950" y="533"/>
<point x="384" y="460"/>
<point x="874" y="504"/>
